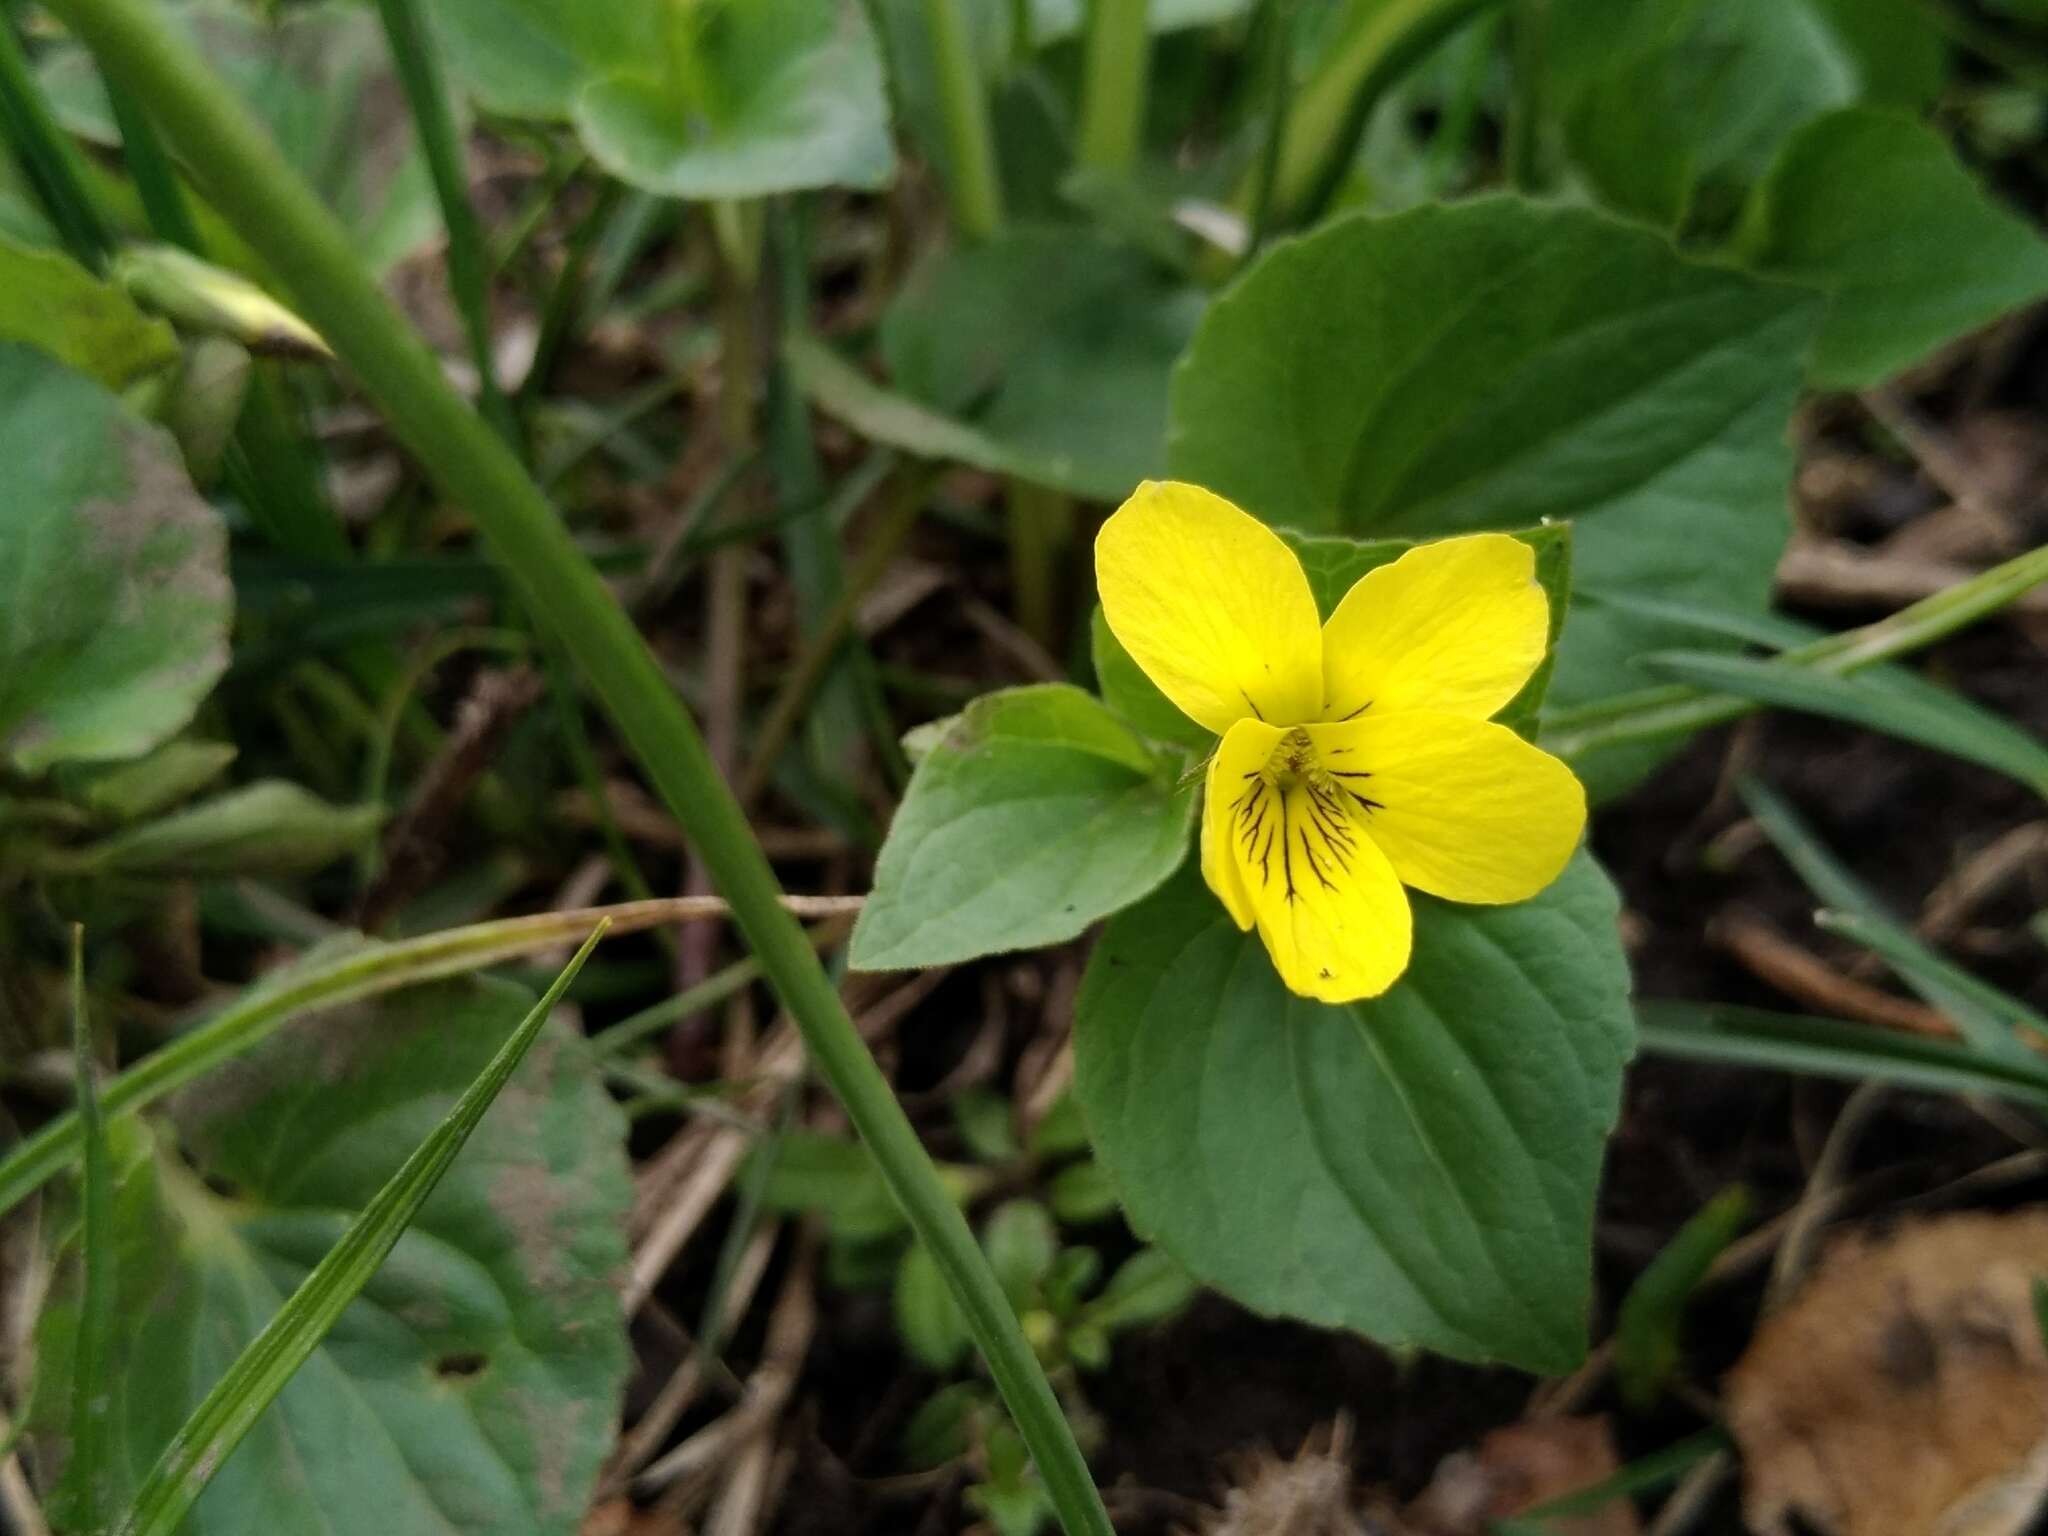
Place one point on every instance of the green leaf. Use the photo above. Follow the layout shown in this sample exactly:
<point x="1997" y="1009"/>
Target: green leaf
<point x="530" y="58"/>
<point x="114" y="572"/>
<point x="1021" y="1245"/>
<point x="1495" y="363"/>
<point x="927" y="1316"/>
<point x="1420" y="1167"/>
<point x="1874" y="209"/>
<point x="346" y="968"/>
<point x="941" y="1429"/>
<point x="984" y="1120"/>
<point x="1148" y="1287"/>
<point x="1647" y="1343"/>
<point x="894" y="420"/>
<point x="1062" y="1131"/>
<point x="51" y="302"/>
<point x="835" y="1177"/>
<point x="1037" y="814"/>
<point x="780" y="95"/>
<point x="271" y="827"/>
<point x="1082" y="1192"/>
<point x="474" y="1383"/>
<point x="1899" y="703"/>
<point x="1672" y="109"/>
<point x="130" y="791"/>
<point x="1055" y="342"/>
<point x="320" y="78"/>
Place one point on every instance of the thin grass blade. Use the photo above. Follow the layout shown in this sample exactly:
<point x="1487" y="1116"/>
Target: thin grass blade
<point x="1901" y="705"/>
<point x="91" y="1403"/>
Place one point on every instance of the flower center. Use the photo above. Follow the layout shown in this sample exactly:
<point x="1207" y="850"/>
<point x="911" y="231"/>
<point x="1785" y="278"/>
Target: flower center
<point x="1297" y="820"/>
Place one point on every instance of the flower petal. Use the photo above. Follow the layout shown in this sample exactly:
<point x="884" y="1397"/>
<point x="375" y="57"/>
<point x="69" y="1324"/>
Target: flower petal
<point x="1457" y="625"/>
<point x="1212" y="605"/>
<point x="1462" y="808"/>
<point x="1327" y="903"/>
<point x="1237" y="761"/>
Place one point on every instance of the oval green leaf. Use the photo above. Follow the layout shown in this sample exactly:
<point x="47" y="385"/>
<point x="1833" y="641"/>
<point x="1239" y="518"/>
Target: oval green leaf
<point x="1035" y="814"/>
<point x="1420" y="1167"/>
<point x="112" y="574"/>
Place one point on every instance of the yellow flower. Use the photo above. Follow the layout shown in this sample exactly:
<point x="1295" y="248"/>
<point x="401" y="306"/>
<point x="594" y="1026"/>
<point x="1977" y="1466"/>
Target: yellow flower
<point x="1358" y="755"/>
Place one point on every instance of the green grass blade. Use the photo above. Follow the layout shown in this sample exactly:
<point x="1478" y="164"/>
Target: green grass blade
<point x="91" y="1401"/>
<point x="1676" y="710"/>
<point x="1647" y="1339"/>
<point x="1785" y="1042"/>
<point x="1640" y="1476"/>
<point x="1900" y="705"/>
<point x="163" y="200"/>
<point x="1824" y="875"/>
<point x="426" y="95"/>
<point x="228" y="1412"/>
<point x="46" y="156"/>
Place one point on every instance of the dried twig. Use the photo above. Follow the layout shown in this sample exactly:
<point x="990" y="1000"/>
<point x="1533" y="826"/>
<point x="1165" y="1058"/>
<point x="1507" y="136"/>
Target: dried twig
<point x="1804" y="976"/>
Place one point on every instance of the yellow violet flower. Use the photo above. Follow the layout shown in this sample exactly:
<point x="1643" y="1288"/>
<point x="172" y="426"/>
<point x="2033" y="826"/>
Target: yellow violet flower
<point x="1357" y="756"/>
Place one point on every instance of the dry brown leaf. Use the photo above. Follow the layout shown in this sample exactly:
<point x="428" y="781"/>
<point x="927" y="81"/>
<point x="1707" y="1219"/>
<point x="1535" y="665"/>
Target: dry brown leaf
<point x="1903" y="1391"/>
<point x="1519" y="1467"/>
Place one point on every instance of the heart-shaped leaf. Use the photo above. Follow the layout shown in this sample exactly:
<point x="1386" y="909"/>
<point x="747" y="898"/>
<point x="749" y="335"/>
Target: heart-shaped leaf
<point x="776" y="96"/>
<point x="1035" y="814"/>
<point x="113" y="570"/>
<point x="1420" y="1167"/>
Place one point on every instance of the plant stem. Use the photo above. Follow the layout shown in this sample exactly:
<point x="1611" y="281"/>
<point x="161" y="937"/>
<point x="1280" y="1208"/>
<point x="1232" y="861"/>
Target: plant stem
<point x="1383" y="42"/>
<point x="1041" y="528"/>
<point x="426" y="94"/>
<point x="975" y="185"/>
<point x="1273" y="31"/>
<point x="1677" y="710"/>
<point x="251" y="185"/>
<point x="1527" y="22"/>
<point x="1113" y="85"/>
<point x="163" y="201"/>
